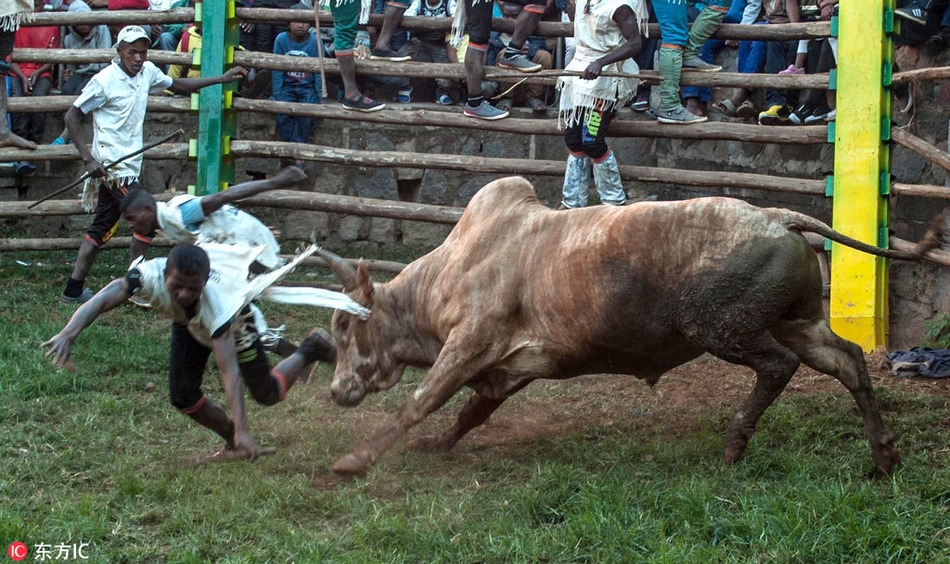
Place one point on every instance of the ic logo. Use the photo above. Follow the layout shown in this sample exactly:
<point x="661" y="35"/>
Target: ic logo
<point x="17" y="551"/>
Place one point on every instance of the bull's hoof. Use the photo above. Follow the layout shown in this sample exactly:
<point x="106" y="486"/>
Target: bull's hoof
<point x="428" y="443"/>
<point x="351" y="465"/>
<point x="885" y="461"/>
<point x="734" y="451"/>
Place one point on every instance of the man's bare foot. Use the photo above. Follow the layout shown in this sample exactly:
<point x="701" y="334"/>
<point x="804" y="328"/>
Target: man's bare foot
<point x="8" y="139"/>
<point x="696" y="107"/>
<point x="288" y="176"/>
<point x="226" y="455"/>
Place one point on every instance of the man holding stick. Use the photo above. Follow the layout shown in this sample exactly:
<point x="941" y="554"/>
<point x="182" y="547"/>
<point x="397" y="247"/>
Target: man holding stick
<point x="117" y="97"/>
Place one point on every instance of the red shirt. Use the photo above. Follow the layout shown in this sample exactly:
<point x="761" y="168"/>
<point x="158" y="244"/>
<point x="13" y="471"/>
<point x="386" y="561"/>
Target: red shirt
<point x="46" y="37"/>
<point x="128" y="4"/>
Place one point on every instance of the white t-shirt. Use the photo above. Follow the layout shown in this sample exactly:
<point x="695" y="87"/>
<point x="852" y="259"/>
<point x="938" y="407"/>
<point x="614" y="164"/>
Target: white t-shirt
<point x="117" y="102"/>
<point x="183" y="221"/>
<point x="597" y="34"/>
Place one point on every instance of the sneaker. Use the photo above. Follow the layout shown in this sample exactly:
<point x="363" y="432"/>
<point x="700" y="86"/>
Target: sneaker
<point x="484" y="111"/>
<point x="792" y="69"/>
<point x="697" y="64"/>
<point x="387" y="55"/>
<point x="82" y="298"/>
<point x="404" y="96"/>
<point x="775" y="115"/>
<point x="640" y="104"/>
<point x="678" y="115"/>
<point x="364" y="104"/>
<point x="24" y="168"/>
<point x="519" y="62"/>
<point x="444" y="100"/>
<point x="914" y="12"/>
<point x="819" y="114"/>
<point x="802" y="115"/>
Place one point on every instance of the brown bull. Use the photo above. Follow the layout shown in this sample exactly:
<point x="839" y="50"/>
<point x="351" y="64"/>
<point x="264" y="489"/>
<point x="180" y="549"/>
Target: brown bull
<point x="519" y="291"/>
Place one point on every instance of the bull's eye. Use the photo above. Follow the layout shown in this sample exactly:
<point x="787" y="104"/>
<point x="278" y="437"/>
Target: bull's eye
<point x="343" y="325"/>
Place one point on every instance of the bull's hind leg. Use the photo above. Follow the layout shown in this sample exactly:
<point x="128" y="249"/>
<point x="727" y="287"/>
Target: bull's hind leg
<point x="476" y="411"/>
<point x="819" y="348"/>
<point x="774" y="366"/>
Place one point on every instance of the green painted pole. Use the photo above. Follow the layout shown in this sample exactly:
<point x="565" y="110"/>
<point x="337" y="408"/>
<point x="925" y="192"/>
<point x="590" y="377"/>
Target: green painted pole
<point x="217" y="123"/>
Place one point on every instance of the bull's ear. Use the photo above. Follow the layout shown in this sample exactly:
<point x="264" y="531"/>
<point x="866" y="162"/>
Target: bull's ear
<point x="364" y="285"/>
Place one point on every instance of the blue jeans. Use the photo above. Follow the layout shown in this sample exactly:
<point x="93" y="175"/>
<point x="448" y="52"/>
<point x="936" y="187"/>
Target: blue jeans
<point x="296" y="129"/>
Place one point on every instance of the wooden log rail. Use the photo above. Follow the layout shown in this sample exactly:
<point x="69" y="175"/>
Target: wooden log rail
<point x="783" y="32"/>
<point x="421" y="70"/>
<point x="436" y="117"/>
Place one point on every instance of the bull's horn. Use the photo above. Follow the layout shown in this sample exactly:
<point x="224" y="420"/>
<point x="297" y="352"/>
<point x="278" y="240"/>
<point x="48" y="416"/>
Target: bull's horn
<point x="343" y="270"/>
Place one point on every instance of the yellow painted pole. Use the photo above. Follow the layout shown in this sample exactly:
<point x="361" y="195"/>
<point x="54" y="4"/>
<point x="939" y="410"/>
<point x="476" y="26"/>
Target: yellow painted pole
<point x="861" y="176"/>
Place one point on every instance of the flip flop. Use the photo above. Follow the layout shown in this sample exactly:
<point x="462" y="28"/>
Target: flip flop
<point x="747" y="110"/>
<point x="725" y="107"/>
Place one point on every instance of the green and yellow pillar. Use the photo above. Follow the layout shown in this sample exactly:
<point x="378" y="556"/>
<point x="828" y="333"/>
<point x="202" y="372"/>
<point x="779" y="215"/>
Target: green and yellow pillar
<point x="861" y="180"/>
<point x="217" y="120"/>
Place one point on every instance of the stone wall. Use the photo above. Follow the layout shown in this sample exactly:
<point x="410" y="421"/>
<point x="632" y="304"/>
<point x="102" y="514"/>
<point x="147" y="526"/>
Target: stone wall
<point x="918" y="291"/>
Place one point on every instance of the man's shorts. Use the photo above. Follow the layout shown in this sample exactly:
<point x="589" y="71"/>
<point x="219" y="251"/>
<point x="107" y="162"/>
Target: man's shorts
<point x="345" y="24"/>
<point x="107" y="216"/>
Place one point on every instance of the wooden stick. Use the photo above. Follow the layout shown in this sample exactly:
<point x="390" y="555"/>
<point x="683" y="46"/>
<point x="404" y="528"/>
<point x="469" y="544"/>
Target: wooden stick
<point x="112" y="164"/>
<point x="921" y="147"/>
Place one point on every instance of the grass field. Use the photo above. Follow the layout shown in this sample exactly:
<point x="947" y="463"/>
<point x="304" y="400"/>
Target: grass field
<point x="590" y="470"/>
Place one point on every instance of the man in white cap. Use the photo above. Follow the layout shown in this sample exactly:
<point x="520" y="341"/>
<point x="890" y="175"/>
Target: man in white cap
<point x="117" y="97"/>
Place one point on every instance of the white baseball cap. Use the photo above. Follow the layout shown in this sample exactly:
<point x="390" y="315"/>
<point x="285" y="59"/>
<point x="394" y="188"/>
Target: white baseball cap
<point x="131" y="34"/>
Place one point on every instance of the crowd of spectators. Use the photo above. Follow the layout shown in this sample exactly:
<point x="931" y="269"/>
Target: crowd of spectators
<point x="678" y="47"/>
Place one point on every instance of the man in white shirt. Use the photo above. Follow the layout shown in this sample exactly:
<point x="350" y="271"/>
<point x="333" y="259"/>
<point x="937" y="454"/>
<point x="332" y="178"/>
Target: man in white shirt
<point x="117" y="97"/>
<point x="206" y="292"/>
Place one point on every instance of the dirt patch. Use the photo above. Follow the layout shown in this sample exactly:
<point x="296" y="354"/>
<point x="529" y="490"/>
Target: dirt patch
<point x="678" y="404"/>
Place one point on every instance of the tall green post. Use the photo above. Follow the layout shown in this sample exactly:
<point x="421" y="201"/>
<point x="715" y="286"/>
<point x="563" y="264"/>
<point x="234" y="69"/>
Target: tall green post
<point x="217" y="121"/>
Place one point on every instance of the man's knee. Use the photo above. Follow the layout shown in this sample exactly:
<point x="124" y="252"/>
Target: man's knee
<point x="187" y="402"/>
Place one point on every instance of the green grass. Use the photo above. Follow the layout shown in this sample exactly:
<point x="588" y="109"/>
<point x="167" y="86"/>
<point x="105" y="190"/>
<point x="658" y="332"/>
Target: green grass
<point x="100" y="456"/>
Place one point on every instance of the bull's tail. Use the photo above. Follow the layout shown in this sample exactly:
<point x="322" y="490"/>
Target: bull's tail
<point x="802" y="222"/>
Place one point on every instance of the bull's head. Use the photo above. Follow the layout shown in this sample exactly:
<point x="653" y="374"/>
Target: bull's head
<point x="364" y="362"/>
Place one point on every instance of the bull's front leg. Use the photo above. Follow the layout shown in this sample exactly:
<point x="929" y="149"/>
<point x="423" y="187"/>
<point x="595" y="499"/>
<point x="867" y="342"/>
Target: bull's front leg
<point x="446" y="377"/>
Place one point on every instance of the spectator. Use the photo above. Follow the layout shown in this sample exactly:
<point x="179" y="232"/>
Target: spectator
<point x="296" y="86"/>
<point x="922" y="14"/>
<point x="399" y="44"/>
<point x="393" y="11"/>
<point x="83" y="36"/>
<point x="608" y="37"/>
<point x="113" y="5"/>
<point x="779" y="55"/>
<point x="171" y="34"/>
<point x="432" y="46"/>
<point x="535" y="49"/>
<point x="10" y="15"/>
<point x="680" y="49"/>
<point x="117" y="97"/>
<point x="696" y="98"/>
<point x="32" y="79"/>
<point x="345" y="23"/>
<point x="189" y="43"/>
<point x="819" y="105"/>
<point x="749" y="60"/>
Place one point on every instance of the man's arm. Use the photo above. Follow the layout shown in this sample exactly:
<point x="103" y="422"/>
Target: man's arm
<point x="73" y="120"/>
<point x="108" y="298"/>
<point x="286" y="178"/>
<point x="225" y="355"/>
<point x="189" y="85"/>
